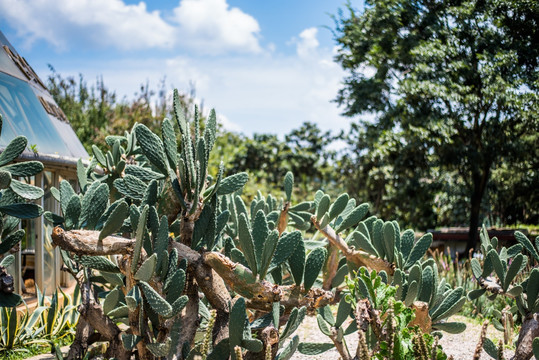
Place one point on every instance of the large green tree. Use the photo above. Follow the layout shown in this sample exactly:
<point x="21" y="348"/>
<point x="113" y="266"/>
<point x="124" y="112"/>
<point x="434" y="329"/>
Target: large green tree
<point x="461" y="74"/>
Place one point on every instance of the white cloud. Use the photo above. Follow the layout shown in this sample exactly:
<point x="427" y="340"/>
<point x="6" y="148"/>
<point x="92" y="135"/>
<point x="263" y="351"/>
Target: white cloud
<point x="308" y="43"/>
<point x="99" y="23"/>
<point x="206" y="26"/>
<point x="266" y="92"/>
<point x="211" y="26"/>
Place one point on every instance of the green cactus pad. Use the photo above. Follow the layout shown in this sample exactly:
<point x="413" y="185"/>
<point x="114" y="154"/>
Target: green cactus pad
<point x="513" y="270"/>
<point x="419" y="250"/>
<point x="388" y="231"/>
<point x="220" y="351"/>
<point x="288" y="185"/>
<point x="159" y="349"/>
<point x="474" y="294"/>
<point x="304" y="206"/>
<point x="147" y="269"/>
<point x="524" y="241"/>
<point x="13" y="150"/>
<point x="237" y="323"/>
<point x="11" y="241"/>
<point x="152" y="147"/>
<point x="94" y="205"/>
<point x="129" y="341"/>
<point x="158" y="304"/>
<point x="115" y="220"/>
<point x="314" y="348"/>
<point x="449" y="306"/>
<point x="297" y="263"/>
<point x="450" y="327"/>
<point x="174" y="287"/>
<point x="260" y="233"/>
<point x="289" y="350"/>
<point x="26" y="191"/>
<point x="476" y="268"/>
<point x="411" y="294"/>
<point x="5" y="179"/>
<point x="100" y="263"/>
<point x="72" y="212"/>
<point x="246" y="243"/>
<point x="353" y="217"/>
<point x="343" y="312"/>
<point x="139" y="239"/>
<point x="143" y="174"/>
<point x="490" y="348"/>
<point x="294" y="321"/>
<point x="338" y="206"/>
<point x="323" y="207"/>
<point x="27" y="168"/>
<point x="532" y="288"/>
<point x="314" y="263"/>
<point x="323" y="325"/>
<point x="178" y="305"/>
<point x="119" y="312"/>
<point x="285" y="248"/>
<point x="267" y="254"/>
<point x="232" y="183"/>
<point x="427" y="285"/>
<point x="111" y="300"/>
<point x="535" y="346"/>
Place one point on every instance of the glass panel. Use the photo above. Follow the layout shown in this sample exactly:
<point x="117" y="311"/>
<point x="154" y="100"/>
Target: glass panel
<point x="25" y="115"/>
<point x="49" y="255"/>
<point x="28" y="250"/>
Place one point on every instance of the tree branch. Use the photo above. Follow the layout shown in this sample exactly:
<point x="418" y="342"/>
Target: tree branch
<point x="358" y="257"/>
<point x="86" y="242"/>
<point x="261" y="293"/>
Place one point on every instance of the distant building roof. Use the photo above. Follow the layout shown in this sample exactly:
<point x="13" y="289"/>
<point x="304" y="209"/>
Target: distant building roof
<point x="28" y="109"/>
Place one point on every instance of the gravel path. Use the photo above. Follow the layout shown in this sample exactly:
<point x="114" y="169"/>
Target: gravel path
<point x="461" y="346"/>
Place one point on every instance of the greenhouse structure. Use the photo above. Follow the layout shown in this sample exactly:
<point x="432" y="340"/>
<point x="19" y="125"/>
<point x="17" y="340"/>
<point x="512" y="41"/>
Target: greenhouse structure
<point x="28" y="109"/>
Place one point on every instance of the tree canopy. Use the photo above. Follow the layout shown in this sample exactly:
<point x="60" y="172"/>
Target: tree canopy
<point x="455" y="82"/>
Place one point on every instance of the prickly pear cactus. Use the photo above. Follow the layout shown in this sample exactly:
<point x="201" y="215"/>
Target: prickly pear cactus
<point x="15" y="204"/>
<point x="504" y="272"/>
<point x="151" y="230"/>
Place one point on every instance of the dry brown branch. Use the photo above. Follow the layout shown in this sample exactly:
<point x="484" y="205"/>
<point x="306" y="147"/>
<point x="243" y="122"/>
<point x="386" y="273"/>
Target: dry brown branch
<point x="491" y="285"/>
<point x="86" y="242"/>
<point x="283" y="218"/>
<point x="331" y="267"/>
<point x="260" y="293"/>
<point x="422" y="318"/>
<point x="358" y="257"/>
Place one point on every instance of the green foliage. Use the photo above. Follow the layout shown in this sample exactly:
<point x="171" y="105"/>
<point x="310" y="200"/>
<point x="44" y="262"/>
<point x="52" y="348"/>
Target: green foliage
<point x="450" y="97"/>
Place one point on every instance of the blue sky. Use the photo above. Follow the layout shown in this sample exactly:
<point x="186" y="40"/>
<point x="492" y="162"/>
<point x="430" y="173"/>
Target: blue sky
<point x="265" y="66"/>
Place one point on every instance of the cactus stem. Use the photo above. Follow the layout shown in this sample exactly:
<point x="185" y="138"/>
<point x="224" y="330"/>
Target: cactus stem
<point x="479" y="347"/>
<point x="208" y="335"/>
<point x="500" y="350"/>
<point x="237" y="351"/>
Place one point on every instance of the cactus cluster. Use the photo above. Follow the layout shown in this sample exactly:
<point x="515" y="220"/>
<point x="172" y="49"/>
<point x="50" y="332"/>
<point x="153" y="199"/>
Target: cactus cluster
<point x="398" y="258"/>
<point x="384" y="326"/>
<point x="151" y="229"/>
<point x="15" y="203"/>
<point x="505" y="272"/>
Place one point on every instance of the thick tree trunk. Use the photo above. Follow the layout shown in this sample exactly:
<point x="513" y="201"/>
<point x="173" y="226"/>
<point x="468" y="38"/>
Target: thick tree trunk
<point x="480" y="180"/>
